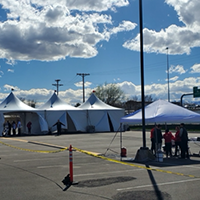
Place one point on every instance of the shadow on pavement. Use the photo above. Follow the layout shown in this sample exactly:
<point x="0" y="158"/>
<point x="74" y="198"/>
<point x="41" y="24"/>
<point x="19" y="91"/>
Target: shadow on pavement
<point x="171" y="162"/>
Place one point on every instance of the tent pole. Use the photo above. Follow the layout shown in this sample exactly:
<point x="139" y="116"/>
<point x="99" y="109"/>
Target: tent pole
<point x="24" y="123"/>
<point x="120" y="141"/>
<point x="156" y="139"/>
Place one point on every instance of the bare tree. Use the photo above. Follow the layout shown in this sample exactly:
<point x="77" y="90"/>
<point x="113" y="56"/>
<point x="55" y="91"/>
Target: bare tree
<point x="148" y="98"/>
<point x="110" y="94"/>
<point x="29" y="102"/>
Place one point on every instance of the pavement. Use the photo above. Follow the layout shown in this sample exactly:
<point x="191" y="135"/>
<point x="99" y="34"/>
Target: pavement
<point x="33" y="167"/>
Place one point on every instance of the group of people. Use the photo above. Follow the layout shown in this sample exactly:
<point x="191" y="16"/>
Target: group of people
<point x="180" y="138"/>
<point x="14" y="128"/>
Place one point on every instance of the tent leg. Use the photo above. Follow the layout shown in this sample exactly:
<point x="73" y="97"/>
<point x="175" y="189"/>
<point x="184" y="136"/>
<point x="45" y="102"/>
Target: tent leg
<point x="120" y="141"/>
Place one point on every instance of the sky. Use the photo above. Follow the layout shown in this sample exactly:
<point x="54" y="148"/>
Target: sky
<point x="42" y="41"/>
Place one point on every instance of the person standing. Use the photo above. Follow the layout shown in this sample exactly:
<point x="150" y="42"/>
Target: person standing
<point x="177" y="141"/>
<point x="59" y="125"/>
<point x="19" y="127"/>
<point x="184" y="141"/>
<point x="168" y="142"/>
<point x="9" y="127"/>
<point x="158" y="137"/>
<point x="29" y="125"/>
<point x="14" y="128"/>
<point x="152" y="141"/>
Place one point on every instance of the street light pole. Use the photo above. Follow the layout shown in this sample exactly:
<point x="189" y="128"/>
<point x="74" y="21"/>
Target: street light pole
<point x="168" y="75"/>
<point x="142" y="73"/>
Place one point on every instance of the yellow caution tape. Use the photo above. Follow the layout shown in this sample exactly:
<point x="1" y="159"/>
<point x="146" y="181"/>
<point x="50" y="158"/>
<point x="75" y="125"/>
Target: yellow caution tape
<point x="133" y="165"/>
<point x="97" y="155"/>
<point x="38" y="151"/>
<point x="16" y="139"/>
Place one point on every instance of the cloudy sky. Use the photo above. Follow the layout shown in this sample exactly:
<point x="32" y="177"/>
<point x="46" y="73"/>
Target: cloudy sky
<point x="41" y="41"/>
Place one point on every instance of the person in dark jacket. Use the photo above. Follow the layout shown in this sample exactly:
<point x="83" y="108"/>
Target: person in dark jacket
<point x="158" y="137"/>
<point x="184" y="141"/>
<point x="9" y="127"/>
<point x="14" y="126"/>
<point x="29" y="125"/>
<point x="177" y="141"/>
<point x="59" y="125"/>
<point x="153" y="150"/>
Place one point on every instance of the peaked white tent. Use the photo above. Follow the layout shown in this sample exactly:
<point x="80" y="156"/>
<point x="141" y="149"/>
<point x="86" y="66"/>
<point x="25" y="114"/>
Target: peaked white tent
<point x="56" y="109"/>
<point x="162" y="111"/>
<point x="14" y="106"/>
<point x="102" y="116"/>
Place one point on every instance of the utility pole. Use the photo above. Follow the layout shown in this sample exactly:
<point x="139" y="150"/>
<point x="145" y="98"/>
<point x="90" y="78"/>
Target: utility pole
<point x="83" y="78"/>
<point x="57" y="84"/>
<point x="168" y="74"/>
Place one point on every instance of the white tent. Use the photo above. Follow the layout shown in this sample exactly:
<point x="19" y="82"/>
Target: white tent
<point x="56" y="109"/>
<point x="102" y="116"/>
<point x="162" y="111"/>
<point x="15" y="107"/>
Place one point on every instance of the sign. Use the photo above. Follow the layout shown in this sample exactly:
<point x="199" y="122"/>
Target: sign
<point x="196" y="92"/>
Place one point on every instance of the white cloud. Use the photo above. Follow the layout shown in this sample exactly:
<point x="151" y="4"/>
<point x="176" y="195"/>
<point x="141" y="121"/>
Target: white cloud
<point x="175" y="78"/>
<point x="79" y="84"/>
<point x="188" y="11"/>
<point x="177" y="69"/>
<point x="124" y="26"/>
<point x="11" y="70"/>
<point x="97" y="5"/>
<point x="116" y="79"/>
<point x="10" y="87"/>
<point x="130" y="89"/>
<point x="72" y="97"/>
<point x="1" y="73"/>
<point x="180" y="40"/>
<point x="10" y="61"/>
<point x="52" y="30"/>
<point x="195" y="68"/>
<point x="159" y="91"/>
<point x="87" y="84"/>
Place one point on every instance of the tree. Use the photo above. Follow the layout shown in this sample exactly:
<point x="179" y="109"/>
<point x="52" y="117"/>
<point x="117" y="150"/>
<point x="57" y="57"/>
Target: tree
<point x="29" y="102"/>
<point x="148" y="98"/>
<point x="110" y="94"/>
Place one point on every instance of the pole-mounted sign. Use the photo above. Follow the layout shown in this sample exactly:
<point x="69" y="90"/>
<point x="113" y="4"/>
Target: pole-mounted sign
<point x="196" y="92"/>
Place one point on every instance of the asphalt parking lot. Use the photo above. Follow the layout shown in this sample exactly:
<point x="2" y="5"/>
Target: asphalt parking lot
<point x="33" y="167"/>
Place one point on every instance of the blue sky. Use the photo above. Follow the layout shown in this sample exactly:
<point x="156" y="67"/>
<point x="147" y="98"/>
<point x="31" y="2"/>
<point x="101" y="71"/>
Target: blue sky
<point x="44" y="41"/>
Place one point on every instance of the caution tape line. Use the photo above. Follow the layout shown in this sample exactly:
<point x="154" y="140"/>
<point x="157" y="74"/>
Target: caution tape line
<point x="133" y="165"/>
<point x="102" y="157"/>
<point x="37" y="151"/>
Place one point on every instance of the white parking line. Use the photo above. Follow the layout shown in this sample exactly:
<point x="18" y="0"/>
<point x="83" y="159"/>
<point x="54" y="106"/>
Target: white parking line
<point x="193" y="166"/>
<point x="159" y="184"/>
<point x="111" y="172"/>
<point x="52" y="166"/>
<point x="28" y="160"/>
